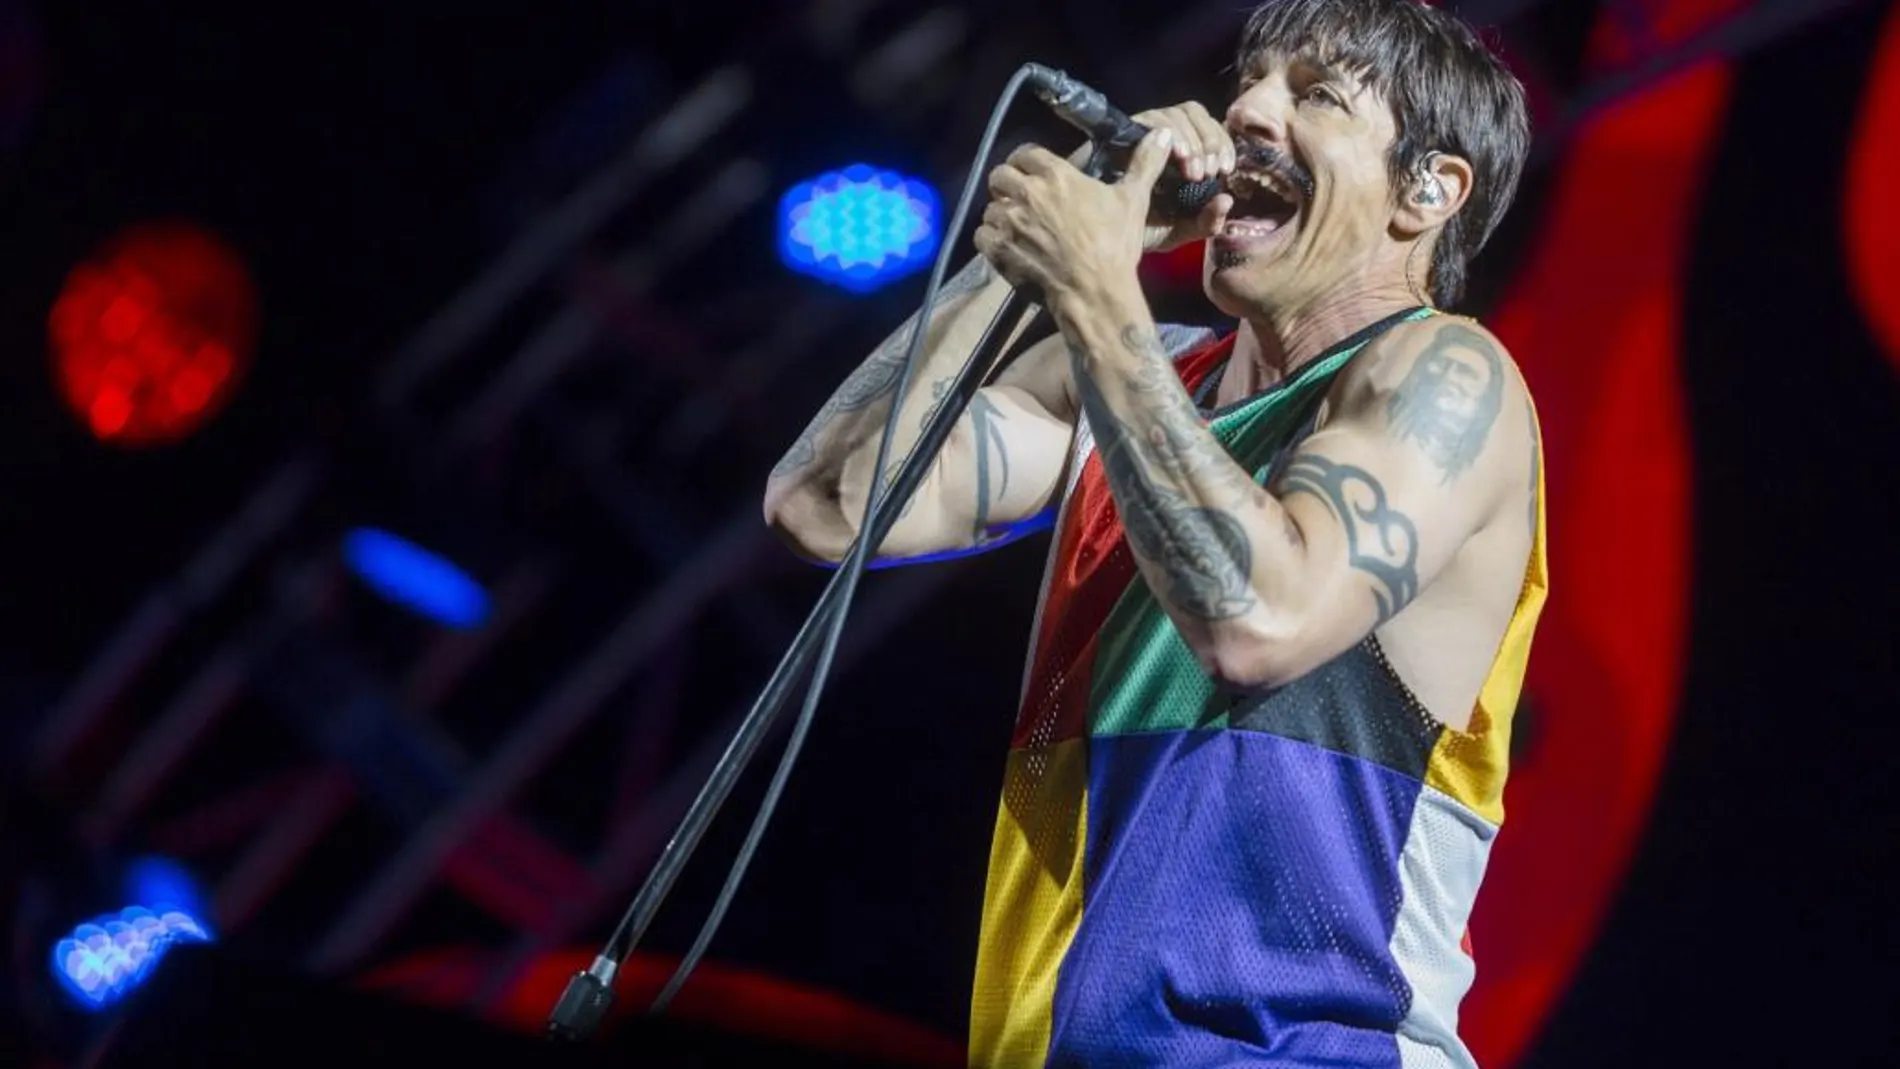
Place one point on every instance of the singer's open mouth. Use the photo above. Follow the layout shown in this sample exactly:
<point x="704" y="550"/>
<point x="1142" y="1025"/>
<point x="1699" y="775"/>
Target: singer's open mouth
<point x="1262" y="198"/>
<point x="1263" y="203"/>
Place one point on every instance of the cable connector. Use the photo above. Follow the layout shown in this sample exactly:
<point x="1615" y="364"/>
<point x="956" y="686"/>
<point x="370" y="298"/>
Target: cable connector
<point x="584" y="1004"/>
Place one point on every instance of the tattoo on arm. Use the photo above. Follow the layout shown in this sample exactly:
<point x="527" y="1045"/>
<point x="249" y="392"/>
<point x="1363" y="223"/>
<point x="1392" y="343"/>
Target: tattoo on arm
<point x="1450" y="398"/>
<point x="986" y="429"/>
<point x="1203" y="553"/>
<point x="876" y="379"/>
<point x="1181" y="445"/>
<point x="939" y="390"/>
<point x="1380" y="540"/>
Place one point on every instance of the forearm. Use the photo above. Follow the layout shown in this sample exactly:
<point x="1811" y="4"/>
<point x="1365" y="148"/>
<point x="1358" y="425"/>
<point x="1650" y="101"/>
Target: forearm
<point x="1209" y="540"/>
<point x="840" y="443"/>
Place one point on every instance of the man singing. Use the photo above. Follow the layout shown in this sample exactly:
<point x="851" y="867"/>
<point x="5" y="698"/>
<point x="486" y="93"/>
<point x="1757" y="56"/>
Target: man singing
<point x="1258" y="761"/>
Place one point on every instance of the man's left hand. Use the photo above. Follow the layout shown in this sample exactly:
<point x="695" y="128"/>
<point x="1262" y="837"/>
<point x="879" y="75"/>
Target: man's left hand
<point x="1051" y="227"/>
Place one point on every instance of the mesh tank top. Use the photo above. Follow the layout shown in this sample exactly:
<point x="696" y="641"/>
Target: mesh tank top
<point x="1182" y="875"/>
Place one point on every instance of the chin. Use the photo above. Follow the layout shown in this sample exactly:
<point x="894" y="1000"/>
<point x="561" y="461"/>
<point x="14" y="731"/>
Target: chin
<point x="1242" y="291"/>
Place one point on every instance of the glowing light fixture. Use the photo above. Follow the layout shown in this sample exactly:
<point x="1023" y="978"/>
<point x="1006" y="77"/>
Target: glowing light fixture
<point x="164" y="885"/>
<point x="859" y="228"/>
<point x="104" y="959"/>
<point x="151" y="333"/>
<point x="415" y="578"/>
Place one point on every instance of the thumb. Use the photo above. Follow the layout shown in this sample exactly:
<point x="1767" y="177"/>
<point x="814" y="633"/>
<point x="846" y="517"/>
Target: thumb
<point x="1149" y="157"/>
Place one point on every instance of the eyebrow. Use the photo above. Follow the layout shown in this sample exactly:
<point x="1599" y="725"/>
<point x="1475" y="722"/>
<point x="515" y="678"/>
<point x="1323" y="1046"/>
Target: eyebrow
<point x="1327" y="70"/>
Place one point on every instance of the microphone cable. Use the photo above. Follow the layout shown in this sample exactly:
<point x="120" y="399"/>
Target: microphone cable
<point x="853" y="566"/>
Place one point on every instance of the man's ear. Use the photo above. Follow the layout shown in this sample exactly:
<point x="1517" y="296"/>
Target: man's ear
<point x="1439" y="188"/>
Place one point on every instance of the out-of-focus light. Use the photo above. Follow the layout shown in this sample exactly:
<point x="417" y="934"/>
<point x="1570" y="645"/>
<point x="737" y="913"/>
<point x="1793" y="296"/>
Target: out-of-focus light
<point x="1871" y="217"/>
<point x="415" y="578"/>
<point x="1179" y="267"/>
<point x="859" y="228"/>
<point x="161" y="884"/>
<point x="149" y="334"/>
<point x="105" y="959"/>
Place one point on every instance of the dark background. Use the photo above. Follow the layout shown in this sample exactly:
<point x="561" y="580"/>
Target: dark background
<point x="367" y="160"/>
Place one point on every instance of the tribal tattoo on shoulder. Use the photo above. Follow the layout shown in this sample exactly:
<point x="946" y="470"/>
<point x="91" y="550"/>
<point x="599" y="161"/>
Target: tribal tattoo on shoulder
<point x="1203" y="552"/>
<point x="1381" y="541"/>
<point x="875" y="380"/>
<point x="1450" y="399"/>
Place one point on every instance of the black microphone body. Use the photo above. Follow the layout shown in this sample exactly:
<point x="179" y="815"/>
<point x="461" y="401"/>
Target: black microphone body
<point x="1116" y="135"/>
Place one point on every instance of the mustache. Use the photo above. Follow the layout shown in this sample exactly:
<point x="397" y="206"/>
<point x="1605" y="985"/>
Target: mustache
<point x="1271" y="159"/>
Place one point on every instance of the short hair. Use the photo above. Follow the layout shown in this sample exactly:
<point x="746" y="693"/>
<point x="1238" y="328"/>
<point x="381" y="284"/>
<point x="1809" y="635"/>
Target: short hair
<point x="1448" y="92"/>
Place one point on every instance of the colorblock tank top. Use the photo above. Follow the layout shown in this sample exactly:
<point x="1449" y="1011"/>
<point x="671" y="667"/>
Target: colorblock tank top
<point x="1183" y="875"/>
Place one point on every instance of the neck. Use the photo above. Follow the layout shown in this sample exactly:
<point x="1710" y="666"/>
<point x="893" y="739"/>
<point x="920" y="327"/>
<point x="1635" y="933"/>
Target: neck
<point x="1276" y="343"/>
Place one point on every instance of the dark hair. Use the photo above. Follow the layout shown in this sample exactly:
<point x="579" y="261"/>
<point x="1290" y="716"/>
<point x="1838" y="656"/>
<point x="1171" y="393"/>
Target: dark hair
<point x="1449" y="93"/>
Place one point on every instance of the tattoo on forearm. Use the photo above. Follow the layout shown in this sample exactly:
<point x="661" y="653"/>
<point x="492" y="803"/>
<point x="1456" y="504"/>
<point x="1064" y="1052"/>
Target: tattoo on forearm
<point x="875" y="380"/>
<point x="992" y="459"/>
<point x="939" y="393"/>
<point x="1153" y="373"/>
<point x="1450" y="398"/>
<point x="1203" y="552"/>
<point x="1380" y="540"/>
<point x="1182" y="447"/>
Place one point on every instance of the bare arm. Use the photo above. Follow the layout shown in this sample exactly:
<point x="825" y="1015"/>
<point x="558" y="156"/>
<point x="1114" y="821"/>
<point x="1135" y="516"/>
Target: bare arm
<point x="1000" y="467"/>
<point x="1267" y="586"/>
<point x="1004" y="460"/>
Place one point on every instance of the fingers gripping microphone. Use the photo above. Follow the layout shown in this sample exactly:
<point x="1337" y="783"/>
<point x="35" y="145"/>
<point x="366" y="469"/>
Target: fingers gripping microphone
<point x="1115" y="134"/>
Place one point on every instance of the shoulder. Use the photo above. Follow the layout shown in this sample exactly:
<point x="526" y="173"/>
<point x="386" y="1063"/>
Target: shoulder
<point x="1444" y="384"/>
<point x="1457" y="349"/>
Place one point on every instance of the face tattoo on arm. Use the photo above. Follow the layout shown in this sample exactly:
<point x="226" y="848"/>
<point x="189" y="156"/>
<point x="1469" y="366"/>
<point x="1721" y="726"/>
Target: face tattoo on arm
<point x="1450" y="398"/>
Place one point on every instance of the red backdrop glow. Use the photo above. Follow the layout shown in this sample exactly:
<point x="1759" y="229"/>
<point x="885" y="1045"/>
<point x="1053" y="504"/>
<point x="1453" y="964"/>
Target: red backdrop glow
<point x="150" y="334"/>
<point x="1873" y="214"/>
<point x="1595" y="319"/>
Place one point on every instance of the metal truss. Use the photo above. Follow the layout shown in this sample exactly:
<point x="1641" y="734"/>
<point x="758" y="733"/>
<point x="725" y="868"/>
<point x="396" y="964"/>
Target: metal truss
<point x="609" y="392"/>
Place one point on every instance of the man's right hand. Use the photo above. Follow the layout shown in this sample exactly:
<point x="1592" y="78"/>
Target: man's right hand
<point x="1202" y="149"/>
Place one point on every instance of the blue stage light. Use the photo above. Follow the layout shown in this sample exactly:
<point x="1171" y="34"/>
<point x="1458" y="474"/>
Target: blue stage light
<point x="415" y="578"/>
<point x="859" y="228"/>
<point x="163" y="885"/>
<point x="105" y="959"/>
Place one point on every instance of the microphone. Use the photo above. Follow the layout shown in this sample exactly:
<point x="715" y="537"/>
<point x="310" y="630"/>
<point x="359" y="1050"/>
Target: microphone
<point x="1116" y="135"/>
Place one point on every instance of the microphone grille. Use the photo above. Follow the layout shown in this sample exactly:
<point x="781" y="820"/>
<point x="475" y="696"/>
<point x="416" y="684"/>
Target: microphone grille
<point x="1183" y="198"/>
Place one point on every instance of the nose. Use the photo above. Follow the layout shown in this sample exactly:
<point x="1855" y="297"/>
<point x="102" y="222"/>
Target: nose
<point x="1253" y="115"/>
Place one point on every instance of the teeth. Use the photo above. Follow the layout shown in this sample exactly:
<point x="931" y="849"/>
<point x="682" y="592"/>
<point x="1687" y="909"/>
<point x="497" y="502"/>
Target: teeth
<point x="1248" y="181"/>
<point x="1249" y="228"/>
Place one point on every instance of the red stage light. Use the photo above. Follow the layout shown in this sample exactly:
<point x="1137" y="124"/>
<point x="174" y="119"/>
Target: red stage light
<point x="150" y="333"/>
<point x="1872" y="219"/>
